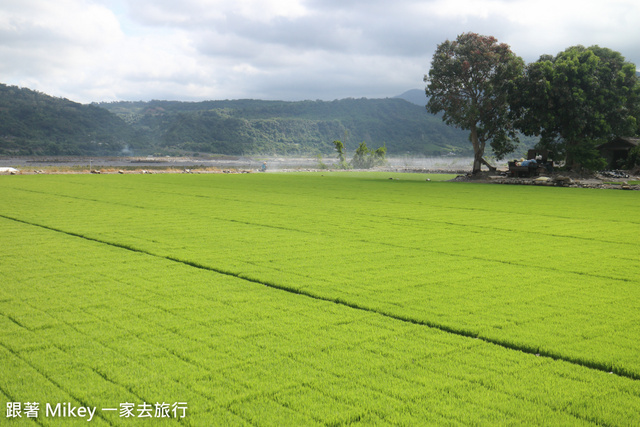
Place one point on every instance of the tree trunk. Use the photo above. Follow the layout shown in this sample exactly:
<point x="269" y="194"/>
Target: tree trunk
<point x="491" y="168"/>
<point x="477" y="163"/>
<point x="569" y="159"/>
<point x="478" y="153"/>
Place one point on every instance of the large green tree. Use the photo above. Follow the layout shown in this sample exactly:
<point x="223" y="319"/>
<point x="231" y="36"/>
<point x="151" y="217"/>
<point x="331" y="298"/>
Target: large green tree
<point x="469" y="82"/>
<point x="577" y="99"/>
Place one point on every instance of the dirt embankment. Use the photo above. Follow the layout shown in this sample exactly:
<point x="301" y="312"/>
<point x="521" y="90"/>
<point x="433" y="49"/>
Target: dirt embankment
<point x="627" y="180"/>
<point x="624" y="181"/>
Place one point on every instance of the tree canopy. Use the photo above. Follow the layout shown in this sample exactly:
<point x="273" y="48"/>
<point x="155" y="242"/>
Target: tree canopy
<point x="577" y="99"/>
<point x="469" y="81"/>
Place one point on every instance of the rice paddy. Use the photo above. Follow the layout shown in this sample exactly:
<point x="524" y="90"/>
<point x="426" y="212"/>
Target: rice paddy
<point x="317" y="298"/>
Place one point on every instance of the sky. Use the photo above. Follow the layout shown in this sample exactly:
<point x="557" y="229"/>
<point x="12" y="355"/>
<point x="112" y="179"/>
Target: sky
<point x="193" y="50"/>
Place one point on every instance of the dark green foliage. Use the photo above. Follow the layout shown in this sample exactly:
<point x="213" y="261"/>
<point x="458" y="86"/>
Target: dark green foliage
<point x="577" y="99"/>
<point x="35" y="123"/>
<point x="634" y="158"/>
<point x="469" y="82"/>
<point x="279" y="127"/>
<point x="585" y="155"/>
<point x="208" y="132"/>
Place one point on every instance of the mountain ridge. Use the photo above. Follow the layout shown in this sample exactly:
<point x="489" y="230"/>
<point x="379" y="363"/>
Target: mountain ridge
<point x="35" y="123"/>
<point x="414" y="96"/>
<point x="292" y="127"/>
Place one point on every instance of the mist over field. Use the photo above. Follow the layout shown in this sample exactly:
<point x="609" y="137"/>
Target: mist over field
<point x="274" y="163"/>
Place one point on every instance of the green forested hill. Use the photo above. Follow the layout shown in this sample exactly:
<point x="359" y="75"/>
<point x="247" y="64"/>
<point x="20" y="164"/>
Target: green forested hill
<point x="279" y="127"/>
<point x="35" y="123"/>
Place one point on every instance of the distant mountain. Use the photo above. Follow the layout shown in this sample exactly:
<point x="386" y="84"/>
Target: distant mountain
<point x="414" y="96"/>
<point x="280" y="127"/>
<point x="35" y="123"/>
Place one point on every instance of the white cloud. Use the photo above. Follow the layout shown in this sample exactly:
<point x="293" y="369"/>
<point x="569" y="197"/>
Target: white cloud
<point x="533" y="28"/>
<point x="50" y="44"/>
<point x="90" y="50"/>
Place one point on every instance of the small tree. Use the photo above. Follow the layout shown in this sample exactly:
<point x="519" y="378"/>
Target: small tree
<point x="321" y="164"/>
<point x="469" y="82"/>
<point x="380" y="155"/>
<point x="365" y="158"/>
<point x="362" y="157"/>
<point x="342" y="160"/>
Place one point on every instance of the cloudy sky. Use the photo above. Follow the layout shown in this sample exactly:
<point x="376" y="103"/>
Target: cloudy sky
<point x="106" y="50"/>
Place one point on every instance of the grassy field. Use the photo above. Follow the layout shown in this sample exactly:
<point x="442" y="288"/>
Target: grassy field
<point x="328" y="298"/>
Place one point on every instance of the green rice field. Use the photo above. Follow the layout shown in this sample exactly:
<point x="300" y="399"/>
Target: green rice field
<point x="316" y="299"/>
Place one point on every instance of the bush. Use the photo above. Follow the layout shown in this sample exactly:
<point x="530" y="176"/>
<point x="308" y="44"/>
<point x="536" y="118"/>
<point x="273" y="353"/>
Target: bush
<point x="321" y="164"/>
<point x="364" y="158"/>
<point x="634" y="158"/>
<point x="586" y="157"/>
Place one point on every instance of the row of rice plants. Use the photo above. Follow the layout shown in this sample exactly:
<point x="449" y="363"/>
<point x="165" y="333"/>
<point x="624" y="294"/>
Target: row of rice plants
<point x="520" y="266"/>
<point x="99" y="325"/>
